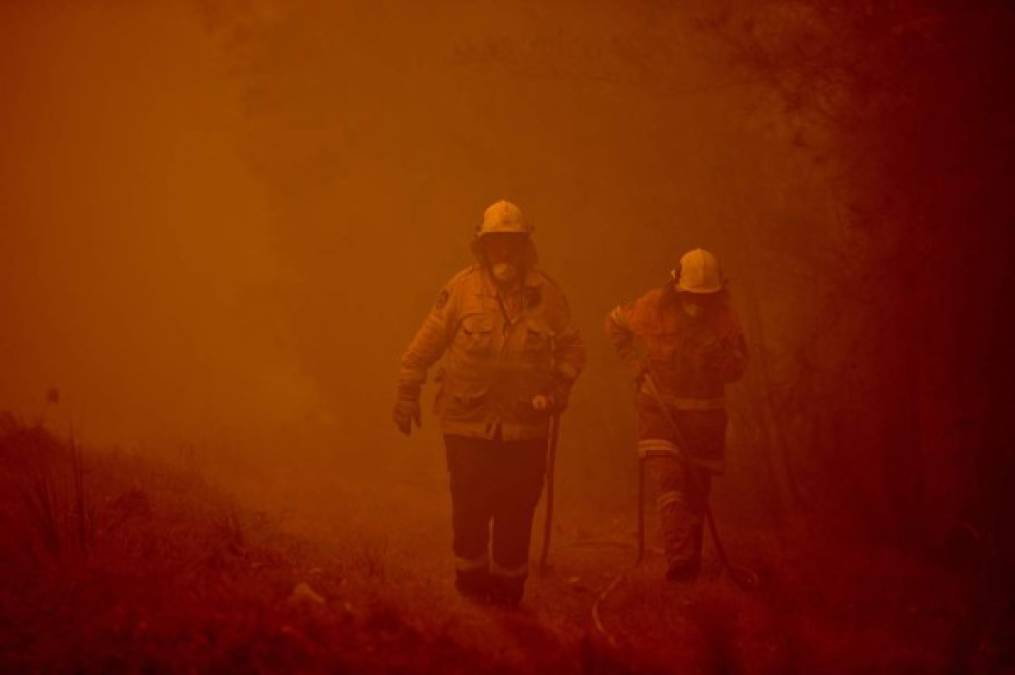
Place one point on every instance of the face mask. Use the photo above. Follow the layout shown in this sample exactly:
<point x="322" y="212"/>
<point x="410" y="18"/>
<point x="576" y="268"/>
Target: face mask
<point x="505" y="273"/>
<point x="692" y="309"/>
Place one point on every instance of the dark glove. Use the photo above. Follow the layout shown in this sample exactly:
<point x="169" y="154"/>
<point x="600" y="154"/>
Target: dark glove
<point x="405" y="413"/>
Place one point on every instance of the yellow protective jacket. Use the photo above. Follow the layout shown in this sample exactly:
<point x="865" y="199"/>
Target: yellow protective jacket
<point x="494" y="366"/>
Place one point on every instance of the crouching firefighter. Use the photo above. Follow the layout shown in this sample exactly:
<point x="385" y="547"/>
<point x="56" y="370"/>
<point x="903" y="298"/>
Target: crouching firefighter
<point x="511" y="355"/>
<point x="682" y="343"/>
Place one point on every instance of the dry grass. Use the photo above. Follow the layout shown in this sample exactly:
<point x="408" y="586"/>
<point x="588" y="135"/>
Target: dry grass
<point x="124" y="565"/>
<point x="112" y="563"/>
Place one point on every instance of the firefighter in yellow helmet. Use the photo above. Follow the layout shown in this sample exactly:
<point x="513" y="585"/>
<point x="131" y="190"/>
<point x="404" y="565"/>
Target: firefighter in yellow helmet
<point x="686" y="337"/>
<point x="510" y="357"/>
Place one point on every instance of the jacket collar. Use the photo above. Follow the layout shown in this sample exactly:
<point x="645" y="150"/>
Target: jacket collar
<point x="533" y="280"/>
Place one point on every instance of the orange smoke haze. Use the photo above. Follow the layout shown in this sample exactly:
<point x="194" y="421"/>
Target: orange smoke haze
<point x="222" y="226"/>
<point x="222" y="221"/>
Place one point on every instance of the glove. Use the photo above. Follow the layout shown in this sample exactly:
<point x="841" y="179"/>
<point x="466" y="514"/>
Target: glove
<point x="555" y="402"/>
<point x="544" y="403"/>
<point x="405" y="413"/>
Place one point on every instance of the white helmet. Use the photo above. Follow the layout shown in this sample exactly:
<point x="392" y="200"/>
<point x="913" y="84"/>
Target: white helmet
<point x="503" y="217"/>
<point x="698" y="273"/>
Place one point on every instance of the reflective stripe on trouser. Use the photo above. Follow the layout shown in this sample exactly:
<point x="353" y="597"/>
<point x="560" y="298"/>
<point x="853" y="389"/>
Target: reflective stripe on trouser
<point x="520" y="571"/>
<point x="683" y="403"/>
<point x="472" y="575"/>
<point x="681" y="503"/>
<point x="480" y="562"/>
<point x="704" y="432"/>
<point x="495" y="486"/>
<point x="657" y="447"/>
<point x="507" y="584"/>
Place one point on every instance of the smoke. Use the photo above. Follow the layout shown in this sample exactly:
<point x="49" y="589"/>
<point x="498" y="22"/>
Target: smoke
<point x="140" y="272"/>
<point x="225" y="221"/>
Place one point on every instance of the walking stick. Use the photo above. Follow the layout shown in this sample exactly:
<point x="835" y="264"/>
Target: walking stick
<point x="641" y="511"/>
<point x="551" y="458"/>
<point x="741" y="576"/>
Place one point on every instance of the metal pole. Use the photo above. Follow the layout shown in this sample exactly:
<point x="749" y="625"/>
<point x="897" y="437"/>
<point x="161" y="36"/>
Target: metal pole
<point x="641" y="511"/>
<point x="551" y="458"/>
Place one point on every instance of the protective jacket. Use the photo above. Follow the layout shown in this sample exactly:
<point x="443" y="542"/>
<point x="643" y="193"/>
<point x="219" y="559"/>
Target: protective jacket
<point x="499" y="352"/>
<point x="690" y="362"/>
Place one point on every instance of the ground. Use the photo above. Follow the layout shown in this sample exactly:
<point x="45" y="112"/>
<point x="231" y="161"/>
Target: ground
<point x="150" y="566"/>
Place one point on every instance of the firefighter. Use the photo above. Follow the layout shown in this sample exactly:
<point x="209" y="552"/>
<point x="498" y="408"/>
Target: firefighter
<point x="511" y="355"/>
<point x="687" y="338"/>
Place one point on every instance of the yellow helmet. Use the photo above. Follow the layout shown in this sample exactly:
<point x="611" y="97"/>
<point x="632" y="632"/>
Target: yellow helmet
<point x="698" y="273"/>
<point x="503" y="217"/>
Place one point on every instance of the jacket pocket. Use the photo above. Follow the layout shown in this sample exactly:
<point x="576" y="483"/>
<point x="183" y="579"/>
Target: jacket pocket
<point x="537" y="344"/>
<point x="475" y="335"/>
<point x="464" y="398"/>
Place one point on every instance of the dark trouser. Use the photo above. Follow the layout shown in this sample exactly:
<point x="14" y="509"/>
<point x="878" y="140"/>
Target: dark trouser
<point x="498" y="483"/>
<point x="681" y="500"/>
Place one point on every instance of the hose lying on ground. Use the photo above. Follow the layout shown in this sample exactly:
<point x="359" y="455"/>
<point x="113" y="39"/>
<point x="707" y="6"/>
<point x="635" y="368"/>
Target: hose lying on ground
<point x="596" y="619"/>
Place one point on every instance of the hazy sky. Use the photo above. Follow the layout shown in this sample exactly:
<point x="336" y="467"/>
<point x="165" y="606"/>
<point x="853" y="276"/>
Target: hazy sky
<point x="227" y="223"/>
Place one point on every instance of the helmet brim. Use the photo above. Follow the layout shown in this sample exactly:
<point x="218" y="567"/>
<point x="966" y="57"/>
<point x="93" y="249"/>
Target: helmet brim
<point x="482" y="234"/>
<point x="711" y="290"/>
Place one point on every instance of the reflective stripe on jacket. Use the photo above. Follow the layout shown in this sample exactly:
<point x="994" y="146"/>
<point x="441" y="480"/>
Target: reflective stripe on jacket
<point x="690" y="361"/>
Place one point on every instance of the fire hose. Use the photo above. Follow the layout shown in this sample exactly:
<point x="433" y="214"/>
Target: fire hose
<point x="743" y="577"/>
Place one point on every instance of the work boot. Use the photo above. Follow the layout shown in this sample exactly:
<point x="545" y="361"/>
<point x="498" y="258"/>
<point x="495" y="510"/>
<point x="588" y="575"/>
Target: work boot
<point x="506" y="592"/>
<point x="683" y="572"/>
<point x="473" y="585"/>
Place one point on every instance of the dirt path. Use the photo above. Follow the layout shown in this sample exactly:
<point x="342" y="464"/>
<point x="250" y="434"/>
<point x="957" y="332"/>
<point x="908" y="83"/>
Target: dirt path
<point x="397" y="535"/>
<point x="824" y="605"/>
